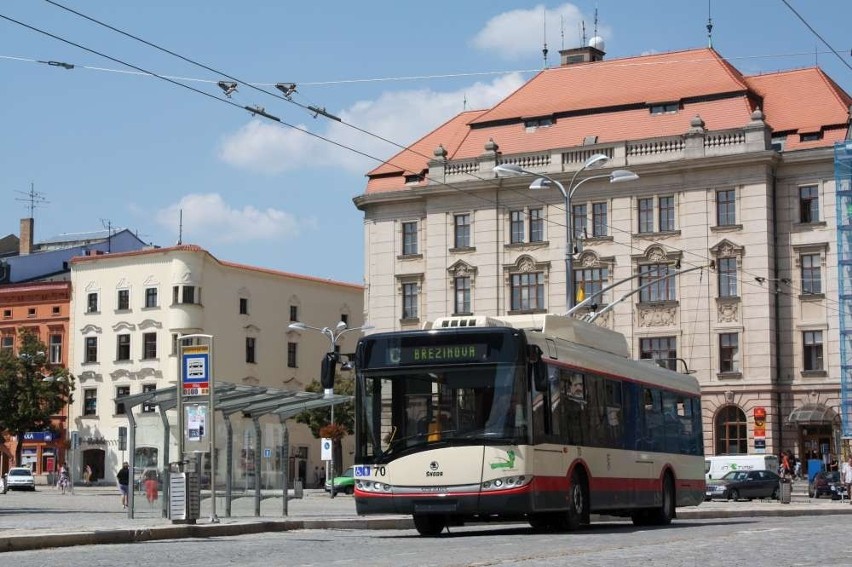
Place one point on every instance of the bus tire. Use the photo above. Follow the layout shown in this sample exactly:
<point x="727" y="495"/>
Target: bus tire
<point x="578" y="502"/>
<point x="428" y="525"/>
<point x="663" y="515"/>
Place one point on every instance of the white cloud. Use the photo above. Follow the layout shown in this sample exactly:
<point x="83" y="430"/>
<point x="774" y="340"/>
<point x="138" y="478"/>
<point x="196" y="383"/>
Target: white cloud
<point x="208" y="218"/>
<point x="401" y="117"/>
<point x="520" y="34"/>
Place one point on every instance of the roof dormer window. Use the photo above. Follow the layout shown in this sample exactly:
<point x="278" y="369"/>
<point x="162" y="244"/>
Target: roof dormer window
<point x="810" y="137"/>
<point x="532" y="124"/>
<point x="413" y="179"/>
<point x="665" y="108"/>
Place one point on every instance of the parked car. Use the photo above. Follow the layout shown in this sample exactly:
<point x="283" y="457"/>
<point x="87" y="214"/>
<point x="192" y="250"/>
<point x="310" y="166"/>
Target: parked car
<point x="827" y="483"/>
<point x="344" y="483"/>
<point x="737" y="485"/>
<point x="19" y="478"/>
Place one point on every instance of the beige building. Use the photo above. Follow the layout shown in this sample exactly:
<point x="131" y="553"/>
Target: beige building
<point x="128" y="311"/>
<point x="735" y="201"/>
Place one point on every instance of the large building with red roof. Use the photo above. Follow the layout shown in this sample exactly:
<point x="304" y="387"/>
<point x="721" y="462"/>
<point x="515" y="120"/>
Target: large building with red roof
<point x="735" y="193"/>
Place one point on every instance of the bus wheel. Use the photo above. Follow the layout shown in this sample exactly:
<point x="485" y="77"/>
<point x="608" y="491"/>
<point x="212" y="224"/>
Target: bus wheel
<point x="578" y="502"/>
<point x="663" y="515"/>
<point x="429" y="525"/>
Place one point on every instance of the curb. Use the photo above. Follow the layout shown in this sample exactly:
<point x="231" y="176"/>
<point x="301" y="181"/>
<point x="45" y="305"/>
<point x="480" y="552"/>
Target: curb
<point x="136" y="535"/>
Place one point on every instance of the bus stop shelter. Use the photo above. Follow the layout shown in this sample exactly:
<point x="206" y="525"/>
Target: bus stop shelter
<point x="233" y="404"/>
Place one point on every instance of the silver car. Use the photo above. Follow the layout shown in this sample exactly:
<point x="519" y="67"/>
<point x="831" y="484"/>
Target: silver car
<point x="19" y="478"/>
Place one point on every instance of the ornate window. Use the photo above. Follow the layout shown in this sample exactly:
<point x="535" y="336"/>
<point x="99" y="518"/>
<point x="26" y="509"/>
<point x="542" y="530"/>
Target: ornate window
<point x="526" y="280"/>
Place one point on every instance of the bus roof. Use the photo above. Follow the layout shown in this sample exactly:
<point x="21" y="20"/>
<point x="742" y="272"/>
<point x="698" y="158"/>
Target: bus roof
<point x="582" y="345"/>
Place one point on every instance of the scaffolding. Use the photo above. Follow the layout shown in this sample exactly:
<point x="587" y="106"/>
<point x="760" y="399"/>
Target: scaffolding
<point x="843" y="188"/>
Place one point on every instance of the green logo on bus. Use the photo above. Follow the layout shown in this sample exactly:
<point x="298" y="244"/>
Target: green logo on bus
<point x="507" y="463"/>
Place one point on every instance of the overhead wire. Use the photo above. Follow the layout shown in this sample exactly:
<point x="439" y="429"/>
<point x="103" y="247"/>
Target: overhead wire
<point x="260" y="111"/>
<point x="816" y="33"/>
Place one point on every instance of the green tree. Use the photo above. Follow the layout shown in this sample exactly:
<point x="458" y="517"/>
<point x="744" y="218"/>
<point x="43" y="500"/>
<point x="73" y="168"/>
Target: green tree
<point x="319" y="420"/>
<point x="31" y="389"/>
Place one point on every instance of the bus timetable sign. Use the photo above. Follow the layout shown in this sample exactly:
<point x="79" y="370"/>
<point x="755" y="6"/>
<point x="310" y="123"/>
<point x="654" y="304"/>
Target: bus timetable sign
<point x="196" y="371"/>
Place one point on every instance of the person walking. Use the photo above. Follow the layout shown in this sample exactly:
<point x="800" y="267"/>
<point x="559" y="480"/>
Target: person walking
<point x="87" y="475"/>
<point x="123" y="478"/>
<point x="64" y="479"/>
<point x="847" y="477"/>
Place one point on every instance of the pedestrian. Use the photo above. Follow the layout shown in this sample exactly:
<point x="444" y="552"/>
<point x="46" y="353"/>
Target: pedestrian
<point x="785" y="464"/>
<point x="151" y="490"/>
<point x="64" y="479"/>
<point x="87" y="475"/>
<point x="847" y="477"/>
<point x="317" y="477"/>
<point x="123" y="478"/>
<point x="832" y="462"/>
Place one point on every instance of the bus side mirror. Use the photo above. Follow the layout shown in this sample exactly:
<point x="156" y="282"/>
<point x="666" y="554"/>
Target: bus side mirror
<point x="328" y="369"/>
<point x="539" y="370"/>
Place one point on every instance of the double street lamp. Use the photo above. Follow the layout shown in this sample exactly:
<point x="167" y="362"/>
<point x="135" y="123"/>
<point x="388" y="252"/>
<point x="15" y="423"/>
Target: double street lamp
<point x="544" y="181"/>
<point x="329" y="366"/>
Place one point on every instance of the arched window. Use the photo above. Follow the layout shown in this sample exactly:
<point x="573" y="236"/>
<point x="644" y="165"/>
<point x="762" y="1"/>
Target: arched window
<point x="731" y="431"/>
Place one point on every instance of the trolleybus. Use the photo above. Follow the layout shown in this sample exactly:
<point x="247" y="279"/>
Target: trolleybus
<point x="541" y="418"/>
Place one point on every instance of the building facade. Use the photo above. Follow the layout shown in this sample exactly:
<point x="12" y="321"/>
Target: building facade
<point x="41" y="308"/>
<point x="725" y="244"/>
<point x="128" y="312"/>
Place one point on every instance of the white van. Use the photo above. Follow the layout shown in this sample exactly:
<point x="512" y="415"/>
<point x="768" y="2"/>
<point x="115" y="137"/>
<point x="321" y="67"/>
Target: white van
<point x="718" y="465"/>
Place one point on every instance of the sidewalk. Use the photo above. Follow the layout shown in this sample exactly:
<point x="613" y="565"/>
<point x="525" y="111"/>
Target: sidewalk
<point x="93" y="515"/>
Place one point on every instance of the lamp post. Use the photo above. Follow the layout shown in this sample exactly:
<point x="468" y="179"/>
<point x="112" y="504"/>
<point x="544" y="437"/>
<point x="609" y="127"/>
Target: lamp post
<point x="543" y="181"/>
<point x="329" y="366"/>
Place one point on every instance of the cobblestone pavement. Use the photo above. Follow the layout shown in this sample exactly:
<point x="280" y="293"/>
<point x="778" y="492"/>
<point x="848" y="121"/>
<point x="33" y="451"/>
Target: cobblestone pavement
<point x="92" y="515"/>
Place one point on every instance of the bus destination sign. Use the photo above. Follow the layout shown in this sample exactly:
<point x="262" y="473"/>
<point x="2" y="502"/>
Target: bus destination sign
<point x="439" y="354"/>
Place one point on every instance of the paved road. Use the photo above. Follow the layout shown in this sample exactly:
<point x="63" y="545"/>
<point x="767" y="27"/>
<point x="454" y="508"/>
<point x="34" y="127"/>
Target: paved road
<point x="774" y="541"/>
<point x="93" y="515"/>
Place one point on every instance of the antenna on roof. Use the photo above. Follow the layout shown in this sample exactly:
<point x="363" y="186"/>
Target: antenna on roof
<point x="180" y="228"/>
<point x="562" y="31"/>
<point x="709" y="26"/>
<point x="33" y="199"/>
<point x="464" y="102"/>
<point x="107" y="224"/>
<point x="544" y="49"/>
<point x="596" y="23"/>
<point x="583" y="33"/>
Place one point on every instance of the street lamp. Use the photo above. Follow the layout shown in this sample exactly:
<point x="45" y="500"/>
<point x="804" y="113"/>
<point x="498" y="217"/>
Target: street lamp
<point x="329" y="365"/>
<point x="544" y="181"/>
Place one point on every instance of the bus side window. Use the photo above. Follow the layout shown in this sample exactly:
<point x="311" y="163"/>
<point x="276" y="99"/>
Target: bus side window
<point x="575" y="408"/>
<point x="540" y="402"/>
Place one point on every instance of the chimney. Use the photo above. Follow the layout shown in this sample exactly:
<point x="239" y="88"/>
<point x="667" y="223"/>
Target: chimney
<point x="588" y="54"/>
<point x="25" y="246"/>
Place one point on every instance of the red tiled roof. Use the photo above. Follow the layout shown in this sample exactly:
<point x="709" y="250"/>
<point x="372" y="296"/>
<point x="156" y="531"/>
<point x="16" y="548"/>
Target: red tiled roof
<point x="651" y="78"/>
<point x="804" y="100"/>
<point x="414" y="158"/>
<point x="609" y="99"/>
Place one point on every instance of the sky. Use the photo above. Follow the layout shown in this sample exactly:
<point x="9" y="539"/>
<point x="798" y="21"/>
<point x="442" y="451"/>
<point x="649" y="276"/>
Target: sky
<point x="108" y="144"/>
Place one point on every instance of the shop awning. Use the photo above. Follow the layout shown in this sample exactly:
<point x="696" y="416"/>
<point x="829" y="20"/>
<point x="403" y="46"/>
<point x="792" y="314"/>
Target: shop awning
<point x="812" y="413"/>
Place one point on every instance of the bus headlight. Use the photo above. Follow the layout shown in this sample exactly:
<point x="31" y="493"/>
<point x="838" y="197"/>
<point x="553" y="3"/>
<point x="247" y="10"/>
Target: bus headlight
<point x="506" y="482"/>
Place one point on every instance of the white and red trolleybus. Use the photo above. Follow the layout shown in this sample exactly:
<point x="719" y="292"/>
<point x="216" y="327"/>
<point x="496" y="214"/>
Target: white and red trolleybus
<point x="542" y="418"/>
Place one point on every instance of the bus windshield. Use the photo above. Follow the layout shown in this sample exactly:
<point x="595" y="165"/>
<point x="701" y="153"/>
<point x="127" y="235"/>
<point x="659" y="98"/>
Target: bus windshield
<point x="409" y="408"/>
